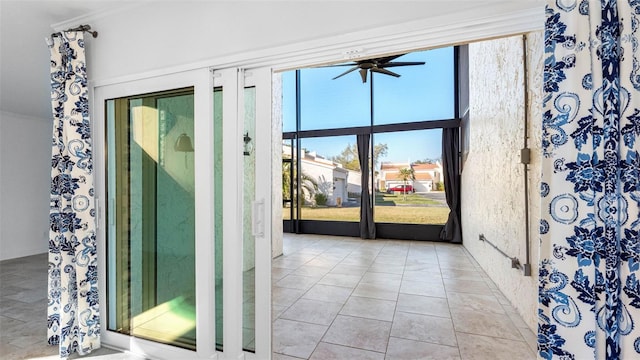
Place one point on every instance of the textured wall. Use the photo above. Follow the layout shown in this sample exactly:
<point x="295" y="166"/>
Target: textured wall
<point x="493" y="197"/>
<point x="276" y="171"/>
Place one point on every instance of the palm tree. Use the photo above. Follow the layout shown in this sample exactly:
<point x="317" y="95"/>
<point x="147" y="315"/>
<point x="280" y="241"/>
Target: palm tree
<point x="405" y="175"/>
<point x="308" y="185"/>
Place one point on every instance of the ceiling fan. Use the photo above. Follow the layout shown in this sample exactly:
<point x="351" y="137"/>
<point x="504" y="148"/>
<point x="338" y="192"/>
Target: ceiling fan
<point x="378" y="65"/>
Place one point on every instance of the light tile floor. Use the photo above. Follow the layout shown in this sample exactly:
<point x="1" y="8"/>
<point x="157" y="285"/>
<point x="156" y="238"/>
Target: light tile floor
<point x="347" y="298"/>
<point x="23" y="313"/>
<point x="333" y="298"/>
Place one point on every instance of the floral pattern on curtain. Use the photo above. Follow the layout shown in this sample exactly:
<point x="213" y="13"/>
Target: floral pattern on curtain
<point x="73" y="316"/>
<point x="589" y="285"/>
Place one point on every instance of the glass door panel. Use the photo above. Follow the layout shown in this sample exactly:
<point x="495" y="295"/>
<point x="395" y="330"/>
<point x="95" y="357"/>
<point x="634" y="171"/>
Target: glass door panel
<point x="218" y="212"/>
<point x="257" y="211"/>
<point x="165" y="244"/>
<point x="249" y="196"/>
<point x="242" y="175"/>
<point x="152" y="227"/>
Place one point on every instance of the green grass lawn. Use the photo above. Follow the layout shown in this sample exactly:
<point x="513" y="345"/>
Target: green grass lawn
<point x="389" y="214"/>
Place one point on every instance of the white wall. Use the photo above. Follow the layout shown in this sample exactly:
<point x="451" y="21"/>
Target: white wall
<point x="493" y="177"/>
<point x="354" y="182"/>
<point x="25" y="173"/>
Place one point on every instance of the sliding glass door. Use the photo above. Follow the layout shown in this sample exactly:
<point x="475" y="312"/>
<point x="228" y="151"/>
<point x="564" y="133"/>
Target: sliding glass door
<point x="186" y="243"/>
<point x="151" y="169"/>
<point x="242" y="196"/>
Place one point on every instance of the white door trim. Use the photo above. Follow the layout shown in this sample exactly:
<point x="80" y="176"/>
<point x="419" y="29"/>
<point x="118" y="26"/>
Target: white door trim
<point x="261" y="79"/>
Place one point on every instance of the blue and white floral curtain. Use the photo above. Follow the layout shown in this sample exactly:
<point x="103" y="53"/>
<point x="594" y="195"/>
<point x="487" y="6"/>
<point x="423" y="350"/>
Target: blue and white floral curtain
<point x="73" y="316"/>
<point x="589" y="285"/>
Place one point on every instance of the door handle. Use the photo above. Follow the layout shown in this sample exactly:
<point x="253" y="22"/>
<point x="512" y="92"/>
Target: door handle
<point x="257" y="215"/>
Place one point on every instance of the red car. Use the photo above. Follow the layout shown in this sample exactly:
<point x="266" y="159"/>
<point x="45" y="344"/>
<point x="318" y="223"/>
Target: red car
<point x="405" y="189"/>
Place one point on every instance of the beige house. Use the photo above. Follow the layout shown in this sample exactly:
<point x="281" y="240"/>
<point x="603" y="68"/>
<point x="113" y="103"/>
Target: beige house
<point x="329" y="178"/>
<point x="426" y="175"/>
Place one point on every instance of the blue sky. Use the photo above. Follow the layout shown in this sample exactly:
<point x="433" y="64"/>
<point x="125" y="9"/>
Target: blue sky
<point x="422" y="92"/>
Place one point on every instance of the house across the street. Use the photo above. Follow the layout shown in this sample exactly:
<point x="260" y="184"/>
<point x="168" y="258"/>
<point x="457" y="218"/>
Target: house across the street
<point x="426" y="175"/>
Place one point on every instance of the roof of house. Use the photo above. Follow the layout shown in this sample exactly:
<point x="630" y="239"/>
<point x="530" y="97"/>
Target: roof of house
<point x="423" y="176"/>
<point x="419" y="176"/>
<point x="386" y="166"/>
<point x="418" y="167"/>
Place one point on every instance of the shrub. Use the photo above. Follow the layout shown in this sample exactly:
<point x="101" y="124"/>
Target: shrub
<point x="440" y="186"/>
<point x="321" y="199"/>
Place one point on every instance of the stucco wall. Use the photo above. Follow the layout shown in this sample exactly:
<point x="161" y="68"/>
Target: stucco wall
<point x="493" y="196"/>
<point x="276" y="172"/>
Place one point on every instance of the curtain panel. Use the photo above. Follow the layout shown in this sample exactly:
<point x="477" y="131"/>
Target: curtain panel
<point x="73" y="316"/>
<point x="452" y="230"/>
<point x="367" y="225"/>
<point x="589" y="286"/>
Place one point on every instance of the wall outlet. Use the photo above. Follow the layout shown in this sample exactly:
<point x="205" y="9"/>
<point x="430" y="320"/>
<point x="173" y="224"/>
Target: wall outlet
<point x="525" y="156"/>
<point x="527" y="269"/>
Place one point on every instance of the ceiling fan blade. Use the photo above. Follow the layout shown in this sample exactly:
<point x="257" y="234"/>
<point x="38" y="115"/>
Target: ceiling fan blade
<point x="385" y="71"/>
<point x="346" y="72"/>
<point x="363" y="75"/>
<point x="387" y="59"/>
<point x="403" y="63"/>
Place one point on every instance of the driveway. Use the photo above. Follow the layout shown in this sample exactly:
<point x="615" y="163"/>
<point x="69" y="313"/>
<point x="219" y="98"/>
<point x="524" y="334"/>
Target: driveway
<point x="438" y="196"/>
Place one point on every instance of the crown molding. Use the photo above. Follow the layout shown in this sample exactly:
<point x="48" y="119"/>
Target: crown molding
<point x="96" y="15"/>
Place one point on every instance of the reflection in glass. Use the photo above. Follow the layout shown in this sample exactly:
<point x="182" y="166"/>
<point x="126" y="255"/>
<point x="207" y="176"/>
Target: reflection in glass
<point x="218" y="211"/>
<point x="409" y="180"/>
<point x="151" y="235"/>
<point x="288" y="178"/>
<point x="249" y="256"/>
<point x="330" y="179"/>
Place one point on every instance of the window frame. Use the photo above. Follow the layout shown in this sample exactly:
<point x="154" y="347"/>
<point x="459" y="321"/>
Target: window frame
<point x="383" y="230"/>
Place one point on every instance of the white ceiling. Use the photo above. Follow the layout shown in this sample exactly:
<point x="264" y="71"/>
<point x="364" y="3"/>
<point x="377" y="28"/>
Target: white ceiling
<point x="24" y="55"/>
